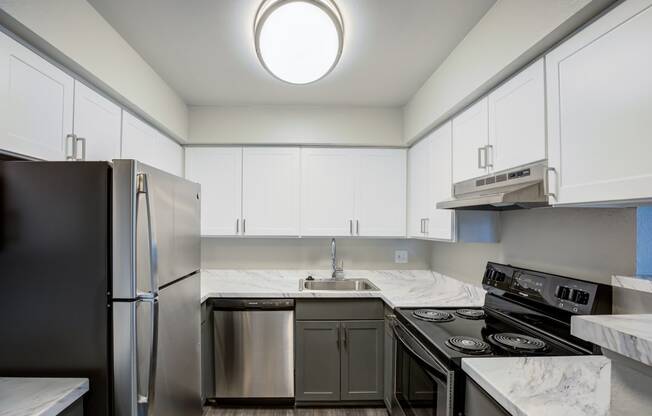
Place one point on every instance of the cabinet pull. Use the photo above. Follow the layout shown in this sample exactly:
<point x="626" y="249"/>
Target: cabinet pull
<point x="244" y="226"/>
<point x="351" y="227"/>
<point x="83" y="148"/>
<point x="70" y="146"/>
<point x="421" y="226"/>
<point x="338" y="337"/>
<point x="487" y="148"/>
<point x="425" y="225"/>
<point x="546" y="183"/>
<point x="357" y="227"/>
<point x="237" y="226"/>
<point x="344" y="336"/>
<point x="480" y="149"/>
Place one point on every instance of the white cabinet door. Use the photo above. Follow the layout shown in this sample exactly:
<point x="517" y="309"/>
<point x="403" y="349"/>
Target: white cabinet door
<point x="169" y="155"/>
<point x="36" y="103"/>
<point x="271" y="191"/>
<point x="98" y="121"/>
<point x="327" y="191"/>
<point x="219" y="172"/>
<point x="470" y="138"/>
<point x="517" y="120"/>
<point x="599" y="85"/>
<point x="419" y="187"/>
<point x="441" y="222"/>
<point x="139" y="140"/>
<point x="380" y="195"/>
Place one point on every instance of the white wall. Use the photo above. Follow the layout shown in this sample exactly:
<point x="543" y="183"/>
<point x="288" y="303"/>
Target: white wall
<point x="285" y="124"/>
<point x="512" y="33"/>
<point x="72" y="31"/>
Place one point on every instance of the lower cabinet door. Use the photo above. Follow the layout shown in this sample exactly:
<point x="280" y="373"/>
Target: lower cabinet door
<point x="317" y="365"/>
<point x="362" y="360"/>
<point x="388" y="370"/>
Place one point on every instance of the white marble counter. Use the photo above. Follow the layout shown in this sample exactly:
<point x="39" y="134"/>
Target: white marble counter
<point x="628" y="335"/>
<point x="398" y="288"/>
<point x="39" y="396"/>
<point x="632" y="283"/>
<point x="542" y="386"/>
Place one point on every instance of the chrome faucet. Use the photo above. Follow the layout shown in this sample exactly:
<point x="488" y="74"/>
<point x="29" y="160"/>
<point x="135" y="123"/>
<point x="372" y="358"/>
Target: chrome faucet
<point x="336" y="271"/>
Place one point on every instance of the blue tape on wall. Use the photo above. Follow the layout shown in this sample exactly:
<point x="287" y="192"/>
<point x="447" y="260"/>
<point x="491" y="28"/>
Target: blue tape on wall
<point x="644" y="241"/>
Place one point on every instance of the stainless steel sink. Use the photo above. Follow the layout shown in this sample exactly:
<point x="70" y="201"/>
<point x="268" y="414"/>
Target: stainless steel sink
<point x="356" y="285"/>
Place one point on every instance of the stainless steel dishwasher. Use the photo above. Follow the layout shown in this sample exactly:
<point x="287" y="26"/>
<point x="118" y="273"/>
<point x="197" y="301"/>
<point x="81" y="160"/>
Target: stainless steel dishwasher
<point x="254" y="349"/>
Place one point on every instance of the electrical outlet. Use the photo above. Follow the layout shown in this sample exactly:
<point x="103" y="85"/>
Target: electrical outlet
<point x="400" y="256"/>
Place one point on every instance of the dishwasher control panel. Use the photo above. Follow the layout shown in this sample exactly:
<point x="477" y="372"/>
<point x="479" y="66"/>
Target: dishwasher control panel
<point x="250" y="304"/>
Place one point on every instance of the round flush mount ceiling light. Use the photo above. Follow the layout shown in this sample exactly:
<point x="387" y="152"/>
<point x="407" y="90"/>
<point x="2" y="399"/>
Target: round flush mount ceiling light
<point x="298" y="41"/>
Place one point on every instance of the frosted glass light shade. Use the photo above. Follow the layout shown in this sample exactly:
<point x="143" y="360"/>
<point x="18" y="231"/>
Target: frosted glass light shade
<point x="298" y="41"/>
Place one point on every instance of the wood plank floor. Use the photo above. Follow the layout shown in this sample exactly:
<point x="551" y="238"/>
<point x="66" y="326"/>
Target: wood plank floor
<point x="308" y="411"/>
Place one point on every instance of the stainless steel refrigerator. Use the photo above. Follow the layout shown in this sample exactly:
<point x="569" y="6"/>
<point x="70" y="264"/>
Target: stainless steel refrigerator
<point x="99" y="278"/>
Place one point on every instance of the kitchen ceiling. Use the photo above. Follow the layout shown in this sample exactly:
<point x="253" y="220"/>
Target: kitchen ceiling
<point x="204" y="49"/>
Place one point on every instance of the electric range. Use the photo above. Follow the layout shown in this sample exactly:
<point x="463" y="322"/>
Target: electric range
<point x="525" y="313"/>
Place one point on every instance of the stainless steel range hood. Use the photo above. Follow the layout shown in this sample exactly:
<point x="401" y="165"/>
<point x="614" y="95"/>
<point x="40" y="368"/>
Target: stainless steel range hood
<point x="524" y="187"/>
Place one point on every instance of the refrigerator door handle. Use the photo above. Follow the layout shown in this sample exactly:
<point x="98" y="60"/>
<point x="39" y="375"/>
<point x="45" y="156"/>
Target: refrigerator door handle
<point x="146" y="403"/>
<point x="144" y="188"/>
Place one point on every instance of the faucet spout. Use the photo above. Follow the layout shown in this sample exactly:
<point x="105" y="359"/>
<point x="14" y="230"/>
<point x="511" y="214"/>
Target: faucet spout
<point x="335" y="271"/>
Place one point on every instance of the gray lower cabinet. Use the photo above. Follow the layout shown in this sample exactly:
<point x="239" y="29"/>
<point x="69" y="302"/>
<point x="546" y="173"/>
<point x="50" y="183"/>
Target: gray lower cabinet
<point x="207" y="368"/>
<point x="388" y="385"/>
<point x="362" y="360"/>
<point x="317" y="357"/>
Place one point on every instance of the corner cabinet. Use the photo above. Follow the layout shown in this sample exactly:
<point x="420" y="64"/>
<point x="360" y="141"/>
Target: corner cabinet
<point x="36" y="104"/>
<point x="599" y="88"/>
<point x="429" y="182"/>
<point x="353" y="192"/>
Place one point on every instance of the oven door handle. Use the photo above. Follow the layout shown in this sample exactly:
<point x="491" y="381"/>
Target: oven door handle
<point x="419" y="353"/>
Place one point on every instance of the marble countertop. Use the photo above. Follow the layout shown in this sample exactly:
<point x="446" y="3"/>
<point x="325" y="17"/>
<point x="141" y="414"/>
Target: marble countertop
<point x="542" y="386"/>
<point x="398" y="288"/>
<point x="633" y="283"/>
<point x="628" y="335"/>
<point x="39" y="396"/>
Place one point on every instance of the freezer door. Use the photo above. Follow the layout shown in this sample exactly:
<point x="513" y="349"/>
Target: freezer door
<point x="155" y="228"/>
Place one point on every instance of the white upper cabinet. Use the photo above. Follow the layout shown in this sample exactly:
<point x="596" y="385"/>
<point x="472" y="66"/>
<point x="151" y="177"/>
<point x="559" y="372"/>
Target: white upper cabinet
<point x="419" y="187"/>
<point x="143" y="142"/>
<point x="440" y="223"/>
<point x="36" y="104"/>
<point x="219" y="172"/>
<point x="380" y="195"/>
<point x="517" y="123"/>
<point x="327" y="191"/>
<point x="470" y="139"/>
<point x="98" y="122"/>
<point x="271" y="191"/>
<point x="599" y="88"/>
<point x="429" y="182"/>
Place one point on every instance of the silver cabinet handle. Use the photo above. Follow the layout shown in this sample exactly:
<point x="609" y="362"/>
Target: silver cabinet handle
<point x="487" y="164"/>
<point x="83" y="148"/>
<point x="546" y="183"/>
<point x="237" y="226"/>
<point x="357" y="227"/>
<point x="344" y="335"/>
<point x="146" y="403"/>
<point x="71" y="146"/>
<point x="143" y="187"/>
<point x="421" y="226"/>
<point x="425" y="225"/>
<point x="480" y="157"/>
<point x="351" y="227"/>
<point x="338" y="337"/>
<point x="244" y="226"/>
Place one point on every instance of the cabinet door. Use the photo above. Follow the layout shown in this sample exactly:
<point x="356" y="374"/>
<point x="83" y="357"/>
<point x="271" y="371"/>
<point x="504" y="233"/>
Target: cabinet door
<point x="169" y="155"/>
<point x="36" y="103"/>
<point x="419" y="187"/>
<point x="388" y="367"/>
<point x="517" y="120"/>
<point x="470" y="137"/>
<point x="362" y="360"/>
<point x="219" y="171"/>
<point x="317" y="361"/>
<point x="139" y="140"/>
<point x="441" y="222"/>
<point x="99" y="122"/>
<point x="599" y="109"/>
<point x="380" y="194"/>
<point x="271" y="191"/>
<point x="327" y="191"/>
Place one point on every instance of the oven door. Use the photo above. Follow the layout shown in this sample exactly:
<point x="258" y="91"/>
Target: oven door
<point x="423" y="385"/>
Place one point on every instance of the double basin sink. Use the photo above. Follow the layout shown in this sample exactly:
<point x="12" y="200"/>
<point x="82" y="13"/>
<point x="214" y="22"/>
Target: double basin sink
<point x="355" y="285"/>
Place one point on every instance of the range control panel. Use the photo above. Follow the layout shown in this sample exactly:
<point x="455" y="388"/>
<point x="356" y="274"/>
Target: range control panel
<point x="571" y="295"/>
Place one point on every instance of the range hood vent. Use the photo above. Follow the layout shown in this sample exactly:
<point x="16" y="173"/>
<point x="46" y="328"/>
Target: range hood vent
<point x="520" y="188"/>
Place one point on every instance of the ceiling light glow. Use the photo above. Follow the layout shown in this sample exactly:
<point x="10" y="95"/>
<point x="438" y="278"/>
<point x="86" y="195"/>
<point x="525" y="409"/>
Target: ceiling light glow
<point x="298" y="41"/>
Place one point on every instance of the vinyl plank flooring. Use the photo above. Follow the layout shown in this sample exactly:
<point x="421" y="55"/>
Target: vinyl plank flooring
<point x="308" y="411"/>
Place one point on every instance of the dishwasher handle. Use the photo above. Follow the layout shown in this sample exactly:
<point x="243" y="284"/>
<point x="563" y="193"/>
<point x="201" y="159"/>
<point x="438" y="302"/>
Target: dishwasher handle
<point x="252" y="304"/>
